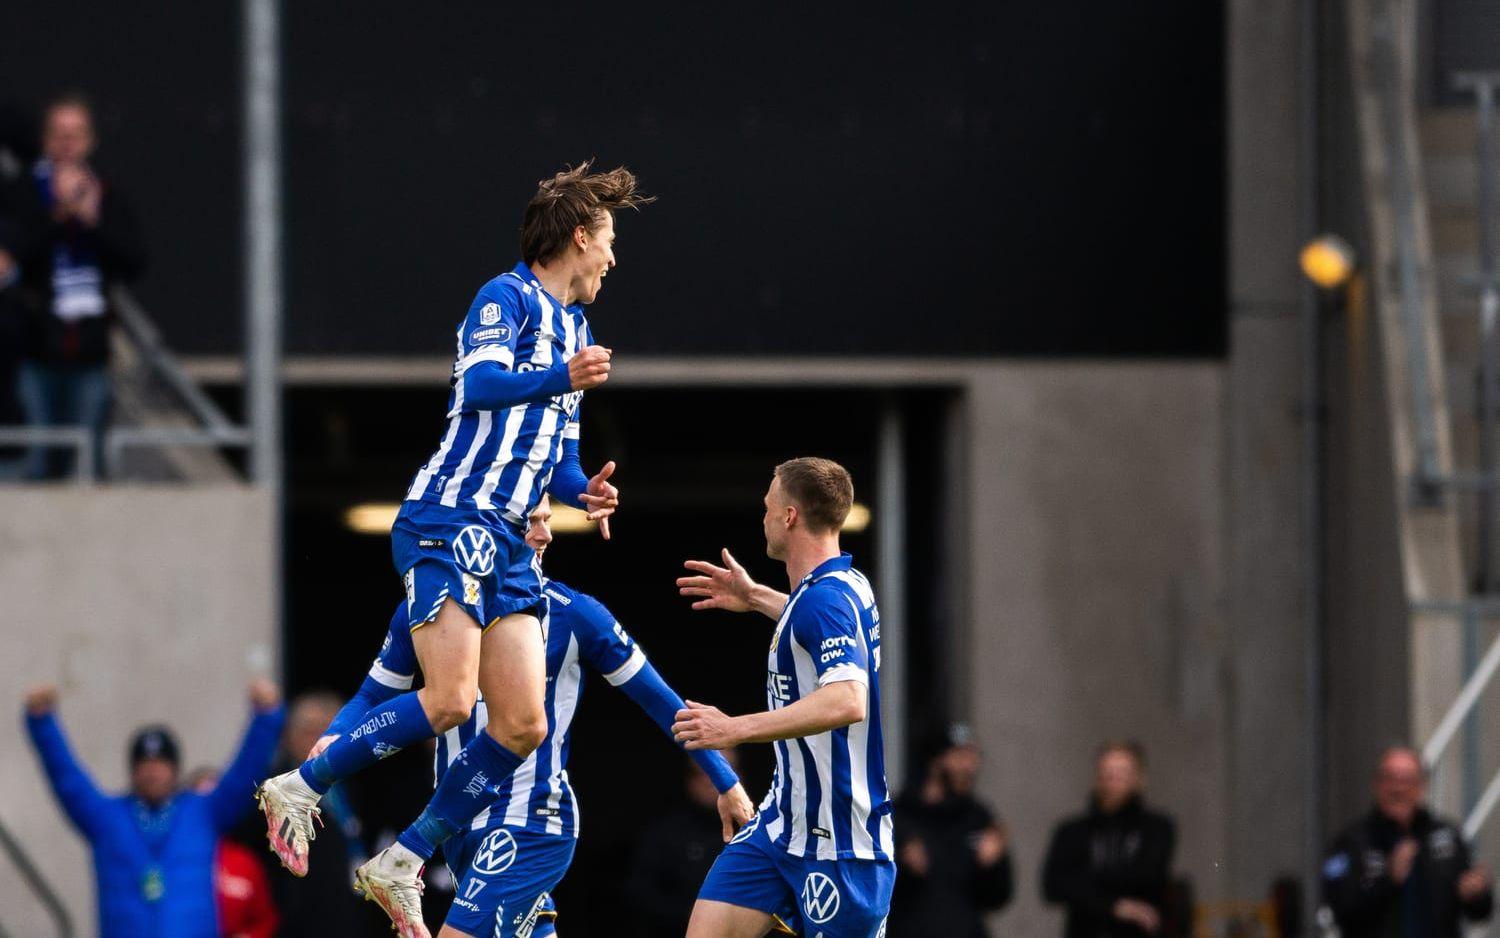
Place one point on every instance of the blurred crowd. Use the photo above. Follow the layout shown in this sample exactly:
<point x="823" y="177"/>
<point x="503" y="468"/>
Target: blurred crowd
<point x="68" y="236"/>
<point x="185" y="848"/>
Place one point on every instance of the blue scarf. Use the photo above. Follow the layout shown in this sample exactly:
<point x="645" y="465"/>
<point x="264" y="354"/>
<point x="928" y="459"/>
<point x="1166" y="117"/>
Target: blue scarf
<point x="77" y="279"/>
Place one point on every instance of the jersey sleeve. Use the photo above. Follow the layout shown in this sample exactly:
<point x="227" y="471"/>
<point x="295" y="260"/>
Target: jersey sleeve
<point x="493" y="326"/>
<point x="396" y="665"/>
<point x="602" y="642"/>
<point x="826" y="624"/>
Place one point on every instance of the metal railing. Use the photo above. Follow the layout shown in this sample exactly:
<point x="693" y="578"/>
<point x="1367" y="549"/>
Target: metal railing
<point x="1478" y="670"/>
<point x="212" y="427"/>
<point x="38" y="884"/>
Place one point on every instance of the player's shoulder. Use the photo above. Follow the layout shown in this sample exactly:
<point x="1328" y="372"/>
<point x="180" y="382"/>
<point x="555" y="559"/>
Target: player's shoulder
<point x="848" y="581"/>
<point x="503" y="293"/>
<point x="575" y="606"/>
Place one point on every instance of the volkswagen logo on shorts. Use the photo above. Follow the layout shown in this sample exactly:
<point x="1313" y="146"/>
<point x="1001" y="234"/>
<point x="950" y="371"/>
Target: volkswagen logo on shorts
<point x="820" y="898"/>
<point x="474" y="549"/>
<point x="497" y="853"/>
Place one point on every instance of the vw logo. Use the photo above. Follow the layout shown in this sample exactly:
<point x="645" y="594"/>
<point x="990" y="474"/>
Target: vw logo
<point x="474" y="549"/>
<point x="820" y="898"/>
<point x="497" y="853"/>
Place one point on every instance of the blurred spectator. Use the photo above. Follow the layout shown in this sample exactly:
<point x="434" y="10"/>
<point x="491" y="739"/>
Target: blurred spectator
<point x="153" y="847"/>
<point x="90" y="242"/>
<point x="12" y="331"/>
<point x="673" y="854"/>
<point x="322" y="903"/>
<point x="20" y="221"/>
<point x="1400" y="871"/>
<point x="1109" y="867"/>
<point x="952" y="856"/>
<point x="240" y="885"/>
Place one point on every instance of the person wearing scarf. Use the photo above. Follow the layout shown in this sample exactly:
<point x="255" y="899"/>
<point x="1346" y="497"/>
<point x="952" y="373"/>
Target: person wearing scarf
<point x="88" y="242"/>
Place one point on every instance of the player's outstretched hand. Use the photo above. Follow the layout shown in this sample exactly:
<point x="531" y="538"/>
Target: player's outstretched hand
<point x="263" y="694"/>
<point x="699" y="726"/>
<point x="589" y="368"/>
<point x="41" y="700"/>
<point x="601" y="499"/>
<point x="727" y="587"/>
<point x="323" y="743"/>
<point x="735" y="810"/>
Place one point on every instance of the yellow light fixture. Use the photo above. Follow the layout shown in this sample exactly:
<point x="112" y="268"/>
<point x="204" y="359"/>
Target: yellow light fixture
<point x="371" y="517"/>
<point x="1327" y="261"/>
<point x="859" y="518"/>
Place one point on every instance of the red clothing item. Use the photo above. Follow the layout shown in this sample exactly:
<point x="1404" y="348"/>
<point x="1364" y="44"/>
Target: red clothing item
<point x="243" y="894"/>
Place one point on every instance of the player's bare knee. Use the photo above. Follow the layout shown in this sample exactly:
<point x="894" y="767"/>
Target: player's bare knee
<point x="521" y="734"/>
<point x="448" y="708"/>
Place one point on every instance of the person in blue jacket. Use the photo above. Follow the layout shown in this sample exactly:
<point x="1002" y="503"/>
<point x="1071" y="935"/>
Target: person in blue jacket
<point x="153" y="846"/>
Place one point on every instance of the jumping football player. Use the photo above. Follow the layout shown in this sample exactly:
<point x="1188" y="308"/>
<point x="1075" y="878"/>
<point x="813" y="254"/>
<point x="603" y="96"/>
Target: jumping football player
<point x="511" y="856"/>
<point x="821" y="842"/>
<point x="525" y="357"/>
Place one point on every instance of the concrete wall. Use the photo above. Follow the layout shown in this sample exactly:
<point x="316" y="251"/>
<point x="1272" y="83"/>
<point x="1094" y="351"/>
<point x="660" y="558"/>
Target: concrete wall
<point x="1098" y="572"/>
<point x="145" y="605"/>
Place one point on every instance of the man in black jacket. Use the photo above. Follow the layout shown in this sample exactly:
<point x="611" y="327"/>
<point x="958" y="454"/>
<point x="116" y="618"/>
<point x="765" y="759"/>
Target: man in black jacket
<point x="1400" y="872"/>
<point x="89" y="242"/>
<point x="1110" y="866"/>
<point x="953" y="858"/>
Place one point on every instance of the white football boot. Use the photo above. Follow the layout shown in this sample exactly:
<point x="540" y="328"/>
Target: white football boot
<point x="392" y="879"/>
<point x="290" y="807"/>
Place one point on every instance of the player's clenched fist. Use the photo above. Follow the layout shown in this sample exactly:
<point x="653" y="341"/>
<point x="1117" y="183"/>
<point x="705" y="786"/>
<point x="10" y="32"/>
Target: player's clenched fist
<point x="41" y="700"/>
<point x="589" y="368"/>
<point x="700" y="726"/>
<point x="263" y="694"/>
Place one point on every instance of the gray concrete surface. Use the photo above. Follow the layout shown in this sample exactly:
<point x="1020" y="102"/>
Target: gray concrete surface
<point x="1097" y="563"/>
<point x="145" y="605"/>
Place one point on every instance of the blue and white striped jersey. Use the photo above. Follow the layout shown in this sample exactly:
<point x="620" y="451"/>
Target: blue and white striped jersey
<point x="503" y="460"/>
<point x="828" y="797"/>
<point x="579" y="631"/>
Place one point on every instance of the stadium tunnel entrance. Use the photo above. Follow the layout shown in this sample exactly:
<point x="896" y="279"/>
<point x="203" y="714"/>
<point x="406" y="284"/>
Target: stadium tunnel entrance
<point x="693" y="465"/>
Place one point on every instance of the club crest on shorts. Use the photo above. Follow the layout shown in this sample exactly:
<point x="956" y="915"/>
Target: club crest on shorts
<point x="474" y="549"/>
<point x="820" y="898"/>
<point x="471" y="590"/>
<point x="496" y="854"/>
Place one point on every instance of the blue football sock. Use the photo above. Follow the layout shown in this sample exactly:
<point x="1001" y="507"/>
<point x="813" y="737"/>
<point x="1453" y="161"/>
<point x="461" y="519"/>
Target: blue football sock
<point x="384" y="729"/>
<point x="467" y="788"/>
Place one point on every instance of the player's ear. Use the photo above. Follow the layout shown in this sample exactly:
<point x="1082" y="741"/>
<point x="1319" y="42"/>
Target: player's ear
<point x="581" y="237"/>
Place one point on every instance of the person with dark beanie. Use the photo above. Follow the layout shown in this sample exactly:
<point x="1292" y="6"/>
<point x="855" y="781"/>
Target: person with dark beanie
<point x="952" y="855"/>
<point x="1109" y="867"/>
<point x="154" y="846"/>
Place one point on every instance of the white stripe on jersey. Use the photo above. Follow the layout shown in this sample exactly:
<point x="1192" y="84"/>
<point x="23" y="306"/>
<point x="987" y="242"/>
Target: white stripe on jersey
<point x="482" y="716"/>
<point x="626" y="671"/>
<point x="390" y="678"/>
<point x="523" y="782"/>
<point x="456" y="484"/>
<point x="778" y="782"/>
<point x="820" y="745"/>
<point x="564" y="704"/>
<point x="541" y="448"/>
<point x="513" y="421"/>
<point x="485" y="353"/>
<point x="859" y="762"/>
<point x="424" y="477"/>
<point x="541" y="356"/>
